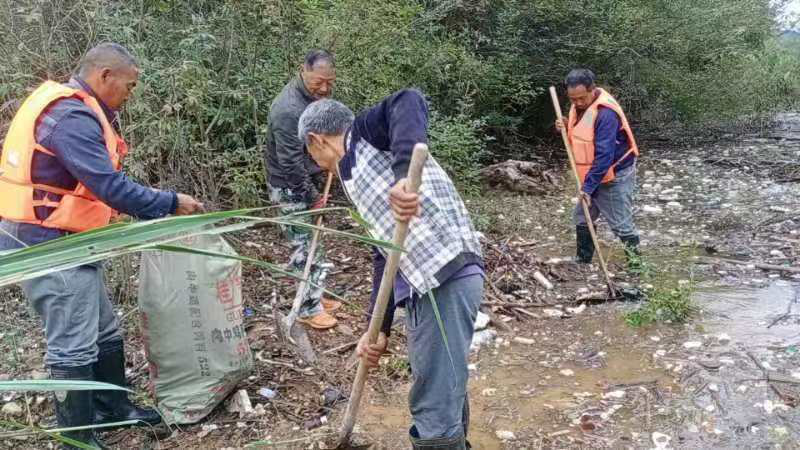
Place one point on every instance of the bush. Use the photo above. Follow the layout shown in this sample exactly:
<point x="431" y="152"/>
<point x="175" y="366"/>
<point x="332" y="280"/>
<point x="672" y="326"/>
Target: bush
<point x="210" y="69"/>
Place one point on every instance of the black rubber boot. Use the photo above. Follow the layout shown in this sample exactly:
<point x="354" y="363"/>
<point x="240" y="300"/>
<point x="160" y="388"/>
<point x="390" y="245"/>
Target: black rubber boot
<point x="632" y="253"/>
<point x="585" y="245"/>
<point x="75" y="408"/>
<point x="115" y="406"/>
<point x="451" y="443"/>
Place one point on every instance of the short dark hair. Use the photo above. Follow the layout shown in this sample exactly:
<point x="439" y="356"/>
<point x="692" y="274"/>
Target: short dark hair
<point x="580" y="77"/>
<point x="317" y="55"/>
<point x="107" y="54"/>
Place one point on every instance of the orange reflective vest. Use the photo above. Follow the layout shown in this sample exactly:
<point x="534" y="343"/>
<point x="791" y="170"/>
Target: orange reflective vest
<point x="78" y="209"/>
<point x="581" y="135"/>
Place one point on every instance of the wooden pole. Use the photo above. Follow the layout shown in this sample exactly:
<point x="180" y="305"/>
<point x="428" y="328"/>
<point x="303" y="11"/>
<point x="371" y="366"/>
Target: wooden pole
<point x="390" y="271"/>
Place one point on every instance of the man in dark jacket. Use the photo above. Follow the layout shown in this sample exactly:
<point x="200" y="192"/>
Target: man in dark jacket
<point x="291" y="175"/>
<point x="72" y="152"/>
<point x="441" y="273"/>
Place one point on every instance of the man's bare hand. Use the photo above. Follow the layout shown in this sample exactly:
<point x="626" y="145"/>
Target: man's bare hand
<point x="587" y="198"/>
<point x="371" y="354"/>
<point x="405" y="205"/>
<point x="188" y="205"/>
<point x="561" y="124"/>
<point x="321" y="202"/>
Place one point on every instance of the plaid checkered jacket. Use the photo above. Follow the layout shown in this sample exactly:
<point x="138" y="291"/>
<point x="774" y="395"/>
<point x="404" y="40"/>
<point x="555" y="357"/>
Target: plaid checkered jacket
<point x="440" y="242"/>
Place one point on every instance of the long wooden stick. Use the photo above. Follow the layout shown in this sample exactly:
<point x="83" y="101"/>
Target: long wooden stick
<point x="557" y="106"/>
<point x="392" y="263"/>
<point x="312" y="250"/>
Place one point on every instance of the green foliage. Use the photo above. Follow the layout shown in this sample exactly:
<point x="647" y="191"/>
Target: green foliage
<point x="664" y="304"/>
<point x="459" y="146"/>
<point x="666" y="301"/>
<point x="210" y="69"/>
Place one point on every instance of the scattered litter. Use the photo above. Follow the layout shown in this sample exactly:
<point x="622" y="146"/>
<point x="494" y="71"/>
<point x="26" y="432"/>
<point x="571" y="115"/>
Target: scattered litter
<point x="742" y="389"/>
<point x="652" y="209"/>
<point x="713" y="387"/>
<point x="660" y="440"/>
<point x="267" y="393"/>
<point x="723" y="337"/>
<point x="539" y="277"/>
<point x="505" y="435"/>
<point x="488" y="392"/>
<point x="614" y="394"/>
<point x="240" y="403"/>
<point x="655" y="338"/>
<point x="567" y="372"/>
<point x="207" y="429"/>
<point x="332" y="396"/>
<point x="522" y="340"/>
<point x="316" y="422"/>
<point x="481" y="321"/>
<point x="692" y="344"/>
<point x="777" y="254"/>
<point x="472" y="367"/>
<point x="12" y="409"/>
<point x="550" y="312"/>
<point x="482" y="337"/>
<point x="796" y="375"/>
<point x="577" y="310"/>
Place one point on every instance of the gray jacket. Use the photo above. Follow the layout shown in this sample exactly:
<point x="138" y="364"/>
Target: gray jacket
<point x="288" y="163"/>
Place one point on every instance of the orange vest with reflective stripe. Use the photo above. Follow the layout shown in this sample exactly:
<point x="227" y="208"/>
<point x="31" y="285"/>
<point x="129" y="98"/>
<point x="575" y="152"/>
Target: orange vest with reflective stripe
<point x="78" y="209"/>
<point x="581" y="135"/>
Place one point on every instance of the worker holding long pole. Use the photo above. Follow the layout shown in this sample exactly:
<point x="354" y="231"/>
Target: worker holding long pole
<point x="441" y="273"/>
<point x="605" y="153"/>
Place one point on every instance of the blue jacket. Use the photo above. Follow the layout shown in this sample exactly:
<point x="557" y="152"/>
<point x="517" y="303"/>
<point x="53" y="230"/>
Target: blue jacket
<point x="70" y="130"/>
<point x="610" y="143"/>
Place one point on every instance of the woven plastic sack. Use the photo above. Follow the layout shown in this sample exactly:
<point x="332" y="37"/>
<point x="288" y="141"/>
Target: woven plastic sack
<point x="191" y="322"/>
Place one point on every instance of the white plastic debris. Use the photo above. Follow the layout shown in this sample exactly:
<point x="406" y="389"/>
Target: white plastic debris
<point x="660" y="440"/>
<point x="674" y="205"/>
<point x="489" y="392"/>
<point x="577" y="310"/>
<point x="655" y="338"/>
<point x="777" y="254"/>
<point x="522" y="340"/>
<point x="504" y="435"/>
<point x="539" y="277"/>
<point x="723" y="337"/>
<point x="713" y="387"/>
<point x="567" y="372"/>
<point x="267" y="393"/>
<point x="742" y="389"/>
<point x="550" y="312"/>
<point x="796" y="375"/>
<point x="481" y="321"/>
<point x="482" y="337"/>
<point x="240" y="403"/>
<point x="614" y="394"/>
<point x="652" y="209"/>
<point x="12" y="409"/>
<point x="692" y="344"/>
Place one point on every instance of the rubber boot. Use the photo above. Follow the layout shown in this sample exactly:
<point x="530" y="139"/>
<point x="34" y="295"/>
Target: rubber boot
<point x="585" y="245"/>
<point x="75" y="408"/>
<point x="115" y="406"/>
<point x="451" y="443"/>
<point x="634" y="257"/>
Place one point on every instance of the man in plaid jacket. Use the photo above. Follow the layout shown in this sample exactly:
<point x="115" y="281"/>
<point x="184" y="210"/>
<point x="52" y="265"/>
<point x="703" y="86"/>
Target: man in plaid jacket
<point x="442" y="267"/>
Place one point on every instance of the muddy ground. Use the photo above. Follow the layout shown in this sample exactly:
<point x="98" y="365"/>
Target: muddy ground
<point x="580" y="376"/>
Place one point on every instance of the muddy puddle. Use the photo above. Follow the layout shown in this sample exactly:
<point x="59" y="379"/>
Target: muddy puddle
<point x="755" y="317"/>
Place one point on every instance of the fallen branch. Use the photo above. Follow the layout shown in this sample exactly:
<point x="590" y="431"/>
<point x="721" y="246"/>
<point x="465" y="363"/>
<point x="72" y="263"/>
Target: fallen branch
<point x="763" y="266"/>
<point x="340" y="348"/>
